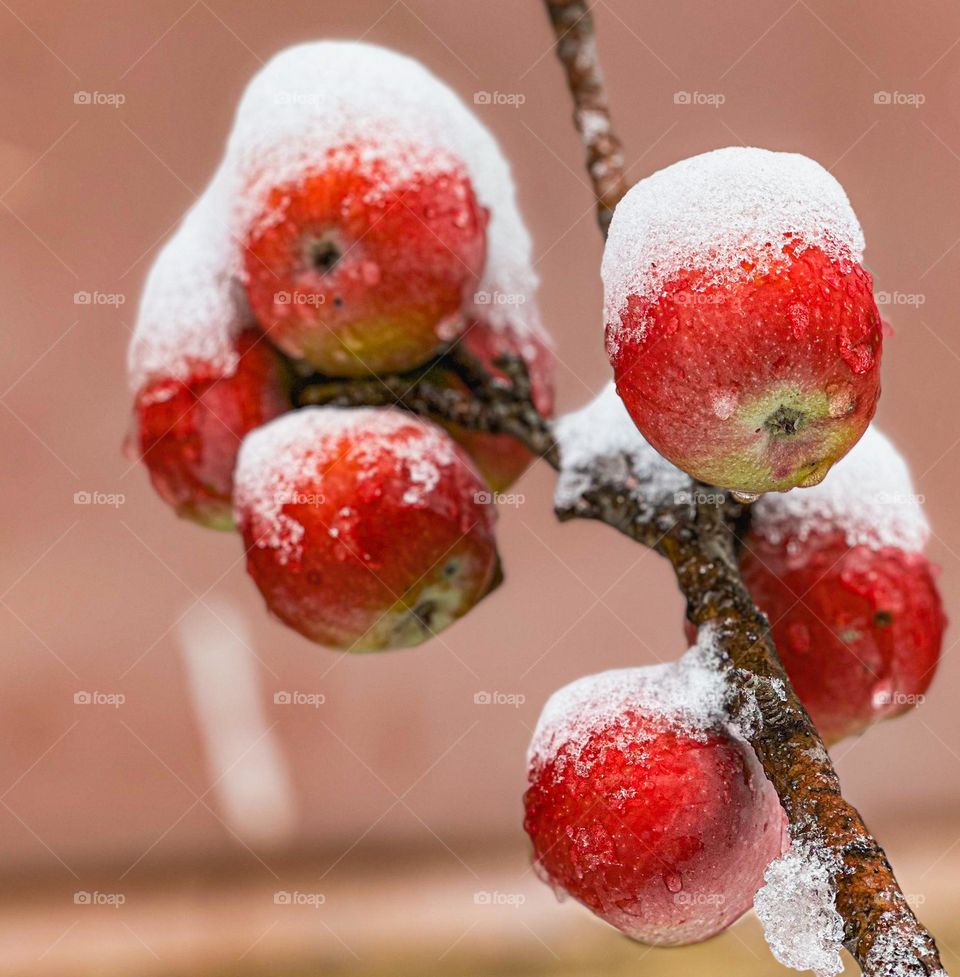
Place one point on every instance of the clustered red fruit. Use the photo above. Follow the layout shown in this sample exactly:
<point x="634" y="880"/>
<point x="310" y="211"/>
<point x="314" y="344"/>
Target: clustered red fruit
<point x="661" y="827"/>
<point x="188" y="432"/>
<point x="362" y="266"/>
<point x="745" y="343"/>
<point x="347" y="233"/>
<point x="857" y="629"/>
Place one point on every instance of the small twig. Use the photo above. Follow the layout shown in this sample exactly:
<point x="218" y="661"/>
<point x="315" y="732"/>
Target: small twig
<point x="488" y="404"/>
<point x="576" y="48"/>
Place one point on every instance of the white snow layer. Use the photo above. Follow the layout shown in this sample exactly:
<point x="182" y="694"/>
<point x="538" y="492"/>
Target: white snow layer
<point x="868" y="494"/>
<point x="712" y="212"/>
<point x="688" y="696"/>
<point x="797" y="907"/>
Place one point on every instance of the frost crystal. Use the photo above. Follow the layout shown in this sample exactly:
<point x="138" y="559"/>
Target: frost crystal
<point x="600" y="443"/>
<point x="868" y="495"/>
<point x="797" y="907"/>
<point x="895" y="955"/>
<point x="715" y="211"/>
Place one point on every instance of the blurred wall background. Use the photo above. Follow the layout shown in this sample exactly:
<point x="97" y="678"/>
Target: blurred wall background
<point x="171" y="766"/>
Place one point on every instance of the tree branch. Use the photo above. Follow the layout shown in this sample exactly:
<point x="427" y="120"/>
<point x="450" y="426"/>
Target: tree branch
<point x="576" y="49"/>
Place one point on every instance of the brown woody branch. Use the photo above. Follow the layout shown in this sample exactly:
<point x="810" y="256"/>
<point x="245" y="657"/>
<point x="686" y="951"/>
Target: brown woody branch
<point x="576" y="49"/>
<point x="698" y="537"/>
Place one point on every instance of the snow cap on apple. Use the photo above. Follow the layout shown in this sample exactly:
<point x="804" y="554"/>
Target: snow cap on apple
<point x="852" y="600"/>
<point x="741" y="326"/>
<point x="376" y="213"/>
<point x="646" y="806"/>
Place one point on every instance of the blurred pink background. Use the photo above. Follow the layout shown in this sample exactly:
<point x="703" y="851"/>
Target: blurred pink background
<point x="203" y="772"/>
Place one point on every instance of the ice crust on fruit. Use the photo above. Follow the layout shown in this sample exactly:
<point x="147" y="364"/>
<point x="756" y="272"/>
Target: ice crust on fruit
<point x="192" y="308"/>
<point x="601" y="444"/>
<point x="277" y="460"/>
<point x="868" y="495"/>
<point x="797" y="907"/>
<point x="715" y="211"/>
<point x="688" y="696"/>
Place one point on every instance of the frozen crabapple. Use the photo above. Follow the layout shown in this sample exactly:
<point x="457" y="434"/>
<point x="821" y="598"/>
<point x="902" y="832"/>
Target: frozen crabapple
<point x="188" y="431"/>
<point x="201" y="374"/>
<point x="361" y="264"/>
<point x="365" y="528"/>
<point x="370" y="207"/>
<point x="741" y="325"/>
<point x="499" y="458"/>
<point x="852" y="600"/>
<point x="644" y="806"/>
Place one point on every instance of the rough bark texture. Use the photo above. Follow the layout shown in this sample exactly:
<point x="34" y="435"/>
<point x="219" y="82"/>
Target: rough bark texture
<point x="699" y="539"/>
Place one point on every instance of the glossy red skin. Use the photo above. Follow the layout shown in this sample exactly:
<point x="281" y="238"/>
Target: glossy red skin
<point x="810" y="325"/>
<point x="666" y="839"/>
<point x="500" y="459"/>
<point x="409" y="258"/>
<point x="858" y="630"/>
<point x="339" y="589"/>
<point x="188" y="433"/>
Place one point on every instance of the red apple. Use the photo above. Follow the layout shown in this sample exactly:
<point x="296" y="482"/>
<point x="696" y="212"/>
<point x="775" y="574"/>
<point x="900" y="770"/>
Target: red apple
<point x="852" y="601"/>
<point x="362" y="264"/>
<point x="646" y="808"/>
<point x="741" y="326"/>
<point x="365" y="528"/>
<point x="188" y="431"/>
<point x="858" y="630"/>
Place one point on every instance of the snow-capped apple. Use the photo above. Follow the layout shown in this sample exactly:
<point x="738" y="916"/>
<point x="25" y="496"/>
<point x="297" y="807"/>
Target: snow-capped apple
<point x="740" y="322"/>
<point x="852" y="600"/>
<point x="365" y="528"/>
<point x="370" y="207"/>
<point x="188" y="430"/>
<point x="645" y="806"/>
